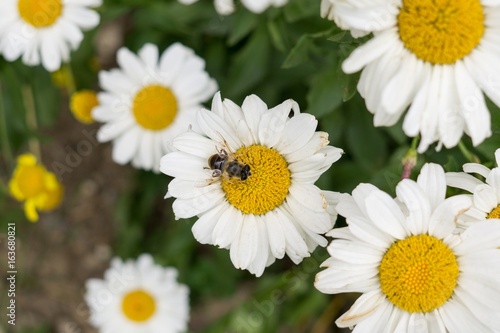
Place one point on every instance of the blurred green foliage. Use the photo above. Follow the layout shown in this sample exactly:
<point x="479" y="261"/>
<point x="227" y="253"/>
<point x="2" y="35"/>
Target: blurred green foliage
<point x="284" y="53"/>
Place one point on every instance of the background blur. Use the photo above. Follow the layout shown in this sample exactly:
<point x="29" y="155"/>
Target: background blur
<point x="110" y="210"/>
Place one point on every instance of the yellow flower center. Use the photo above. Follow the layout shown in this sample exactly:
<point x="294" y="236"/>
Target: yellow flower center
<point x="267" y="186"/>
<point x="30" y="180"/>
<point x="155" y="107"/>
<point x="419" y="273"/>
<point x="441" y="31"/>
<point x="40" y="13"/>
<point x="138" y="305"/>
<point x="82" y="104"/>
<point x="495" y="213"/>
<point x="53" y="192"/>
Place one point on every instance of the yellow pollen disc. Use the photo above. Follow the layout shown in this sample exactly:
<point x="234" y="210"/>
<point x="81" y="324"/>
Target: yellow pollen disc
<point x="138" y="305"/>
<point x="81" y="105"/>
<point x="267" y="186"/>
<point x="30" y="180"/>
<point x="494" y="214"/>
<point x="155" y="107"/>
<point x="40" y="13"/>
<point x="53" y="192"/>
<point x="441" y="31"/>
<point x="419" y="273"/>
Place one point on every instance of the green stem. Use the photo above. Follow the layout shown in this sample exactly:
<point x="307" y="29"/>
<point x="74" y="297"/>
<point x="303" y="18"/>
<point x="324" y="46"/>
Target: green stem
<point x="414" y="142"/>
<point x="469" y="156"/>
<point x="71" y="86"/>
<point x="6" y="149"/>
<point x="31" y="120"/>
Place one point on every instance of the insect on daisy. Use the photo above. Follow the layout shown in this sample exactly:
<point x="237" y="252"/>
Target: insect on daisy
<point x="268" y="210"/>
<point x="414" y="272"/>
<point x="435" y="57"/>
<point x="44" y="31"/>
<point x="138" y="296"/>
<point x="486" y="196"/>
<point x="149" y="100"/>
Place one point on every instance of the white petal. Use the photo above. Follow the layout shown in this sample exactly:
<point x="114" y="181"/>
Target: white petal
<point x="458" y="318"/>
<point x="433" y="182"/>
<point x="125" y="147"/>
<point x="182" y="165"/>
<point x="386" y="214"/>
<point x="244" y="248"/>
<point x="444" y="217"/>
<point x="216" y="129"/>
<point x="187" y="208"/>
<point x="149" y="55"/>
<point x="186" y="189"/>
<point x="195" y="144"/>
<point x="462" y="180"/>
<point x="132" y="66"/>
<point x="172" y="61"/>
<point x="273" y="122"/>
<point x="481" y="235"/>
<point x="485" y="198"/>
<point x="406" y="89"/>
<point x="83" y="17"/>
<point x="261" y="257"/>
<point x="203" y="228"/>
<point x="253" y="109"/>
<point x="298" y="131"/>
<point x="476" y="168"/>
<point x="318" y="222"/>
<point x="227" y="228"/>
<point x="472" y="106"/>
<point x="368" y="52"/>
<point x="363" y="308"/>
<point x="276" y="235"/>
<point x="419" y="208"/>
<point x="51" y="57"/>
<point x="146" y="150"/>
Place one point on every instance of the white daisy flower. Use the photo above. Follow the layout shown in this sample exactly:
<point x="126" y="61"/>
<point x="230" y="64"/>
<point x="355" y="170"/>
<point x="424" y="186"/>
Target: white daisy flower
<point x="44" y="31"/>
<point x="227" y="7"/>
<point x="435" y="57"/>
<point x="277" y="209"/>
<point x="138" y="296"/>
<point x="414" y="273"/>
<point x="327" y="12"/>
<point x="150" y="100"/>
<point x="486" y="196"/>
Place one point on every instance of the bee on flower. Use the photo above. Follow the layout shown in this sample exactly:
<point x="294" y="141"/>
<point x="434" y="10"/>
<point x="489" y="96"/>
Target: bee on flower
<point x="248" y="174"/>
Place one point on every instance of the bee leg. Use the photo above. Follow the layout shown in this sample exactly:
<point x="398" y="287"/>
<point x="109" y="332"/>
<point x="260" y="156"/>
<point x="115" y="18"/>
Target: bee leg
<point x="216" y="173"/>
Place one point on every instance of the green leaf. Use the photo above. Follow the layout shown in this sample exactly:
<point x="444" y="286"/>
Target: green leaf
<point x="326" y="92"/>
<point x="278" y="33"/>
<point x="300" y="52"/>
<point x="244" y="24"/>
<point x="300" y="9"/>
<point x="250" y="64"/>
<point x="366" y="143"/>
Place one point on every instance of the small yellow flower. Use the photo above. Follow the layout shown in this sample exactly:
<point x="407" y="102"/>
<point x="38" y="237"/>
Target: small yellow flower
<point x="37" y="187"/>
<point x="62" y="78"/>
<point x="82" y="103"/>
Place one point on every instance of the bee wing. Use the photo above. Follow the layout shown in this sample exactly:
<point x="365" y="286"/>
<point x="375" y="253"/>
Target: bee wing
<point x="209" y="180"/>
<point x="222" y="142"/>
